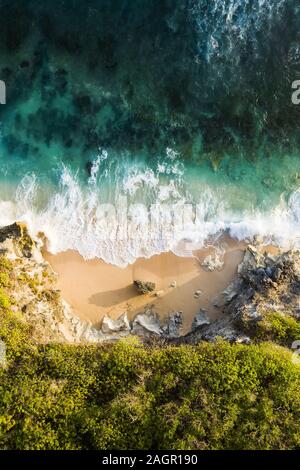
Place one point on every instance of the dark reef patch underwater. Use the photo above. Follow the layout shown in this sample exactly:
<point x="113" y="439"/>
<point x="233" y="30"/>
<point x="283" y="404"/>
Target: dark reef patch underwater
<point x="158" y="101"/>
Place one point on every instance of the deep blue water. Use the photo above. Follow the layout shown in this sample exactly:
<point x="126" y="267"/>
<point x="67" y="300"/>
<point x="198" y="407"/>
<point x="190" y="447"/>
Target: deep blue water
<point x="170" y="102"/>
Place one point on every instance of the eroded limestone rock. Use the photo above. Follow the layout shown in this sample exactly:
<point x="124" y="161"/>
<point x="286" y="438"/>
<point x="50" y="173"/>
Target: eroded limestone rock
<point x="144" y="287"/>
<point x="201" y="319"/>
<point x="264" y="283"/>
<point x="174" y="325"/>
<point x="115" y="326"/>
<point x="147" y="322"/>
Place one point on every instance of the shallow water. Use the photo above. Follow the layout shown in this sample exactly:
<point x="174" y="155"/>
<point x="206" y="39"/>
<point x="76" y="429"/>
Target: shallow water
<point x="183" y="107"/>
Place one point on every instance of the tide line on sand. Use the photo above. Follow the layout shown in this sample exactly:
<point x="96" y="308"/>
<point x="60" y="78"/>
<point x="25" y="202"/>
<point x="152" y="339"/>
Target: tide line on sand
<point x="94" y="288"/>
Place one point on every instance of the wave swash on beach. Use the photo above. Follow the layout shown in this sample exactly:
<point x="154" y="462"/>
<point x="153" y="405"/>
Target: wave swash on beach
<point x="120" y="145"/>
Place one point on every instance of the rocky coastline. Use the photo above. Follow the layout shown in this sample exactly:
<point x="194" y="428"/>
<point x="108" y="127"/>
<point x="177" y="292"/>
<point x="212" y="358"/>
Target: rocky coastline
<point x="265" y="284"/>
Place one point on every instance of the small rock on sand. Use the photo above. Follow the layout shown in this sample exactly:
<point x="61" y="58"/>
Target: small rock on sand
<point x="197" y="294"/>
<point x="159" y="293"/>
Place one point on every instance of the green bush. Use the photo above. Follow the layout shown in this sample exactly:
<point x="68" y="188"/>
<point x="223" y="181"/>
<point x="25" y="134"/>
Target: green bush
<point x="4" y="280"/>
<point x="128" y="396"/>
<point x="282" y="329"/>
<point x="5" y="264"/>
<point x="4" y="300"/>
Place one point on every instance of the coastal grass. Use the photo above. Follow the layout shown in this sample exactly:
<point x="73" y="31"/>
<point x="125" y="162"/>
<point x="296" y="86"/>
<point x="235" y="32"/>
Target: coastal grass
<point x="132" y="396"/>
<point x="129" y="396"/>
<point x="278" y="327"/>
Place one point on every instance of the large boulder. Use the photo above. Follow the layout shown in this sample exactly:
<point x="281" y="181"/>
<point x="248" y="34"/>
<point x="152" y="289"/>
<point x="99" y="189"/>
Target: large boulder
<point x="264" y="283"/>
<point x="174" y="325"/>
<point x="144" y="287"/>
<point x="200" y="319"/>
<point x="110" y="326"/>
<point x="147" y="323"/>
<point x="18" y="234"/>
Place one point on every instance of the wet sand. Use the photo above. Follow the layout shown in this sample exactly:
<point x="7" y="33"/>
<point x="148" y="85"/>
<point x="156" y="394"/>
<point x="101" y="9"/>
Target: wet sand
<point x="95" y="288"/>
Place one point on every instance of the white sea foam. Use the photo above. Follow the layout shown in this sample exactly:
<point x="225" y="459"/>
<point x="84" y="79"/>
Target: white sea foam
<point x="120" y="230"/>
<point x="136" y="179"/>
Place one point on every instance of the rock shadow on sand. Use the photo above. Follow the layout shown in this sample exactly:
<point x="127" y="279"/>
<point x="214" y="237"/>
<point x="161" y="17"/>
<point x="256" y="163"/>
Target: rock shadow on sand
<point x="111" y="298"/>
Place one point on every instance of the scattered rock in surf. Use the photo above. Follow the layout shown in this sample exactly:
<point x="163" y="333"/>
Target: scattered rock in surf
<point x="212" y="263"/>
<point x="215" y="261"/>
<point x="144" y="287"/>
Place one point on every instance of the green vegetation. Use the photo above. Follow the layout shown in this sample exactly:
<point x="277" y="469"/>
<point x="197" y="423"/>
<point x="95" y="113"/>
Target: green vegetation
<point x="5" y="271"/>
<point x="282" y="329"/>
<point x="130" y="396"/>
<point x="5" y="265"/>
<point x="4" y="279"/>
<point x="4" y="300"/>
<point x="127" y="396"/>
<point x="31" y="282"/>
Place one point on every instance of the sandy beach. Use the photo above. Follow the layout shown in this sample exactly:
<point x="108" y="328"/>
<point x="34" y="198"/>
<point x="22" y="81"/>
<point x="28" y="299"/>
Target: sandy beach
<point x="95" y="288"/>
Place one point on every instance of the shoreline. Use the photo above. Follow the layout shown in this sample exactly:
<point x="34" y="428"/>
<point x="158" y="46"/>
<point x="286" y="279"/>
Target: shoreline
<point x="94" y="288"/>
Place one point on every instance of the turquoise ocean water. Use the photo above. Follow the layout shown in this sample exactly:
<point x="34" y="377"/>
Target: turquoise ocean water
<point x="156" y="109"/>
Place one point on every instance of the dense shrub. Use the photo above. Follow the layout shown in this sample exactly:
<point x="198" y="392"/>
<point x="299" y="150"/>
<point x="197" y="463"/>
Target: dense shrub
<point x="127" y="396"/>
<point x="282" y="329"/>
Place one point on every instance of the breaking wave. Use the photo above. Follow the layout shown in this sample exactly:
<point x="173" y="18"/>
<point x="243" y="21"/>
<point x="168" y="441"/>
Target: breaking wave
<point x="191" y="101"/>
<point x="146" y="212"/>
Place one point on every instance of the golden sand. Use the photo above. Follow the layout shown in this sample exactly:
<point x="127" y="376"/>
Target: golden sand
<point x="95" y="288"/>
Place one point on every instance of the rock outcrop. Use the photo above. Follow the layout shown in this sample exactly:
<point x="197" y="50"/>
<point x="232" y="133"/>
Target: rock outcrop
<point x="32" y="286"/>
<point x="34" y="293"/>
<point x="173" y="327"/>
<point x="200" y="320"/>
<point x="264" y="283"/>
<point x="144" y="287"/>
<point x="121" y="325"/>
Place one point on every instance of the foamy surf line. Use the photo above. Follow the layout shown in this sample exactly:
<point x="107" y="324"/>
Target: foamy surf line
<point x="94" y="237"/>
<point x="149" y="214"/>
